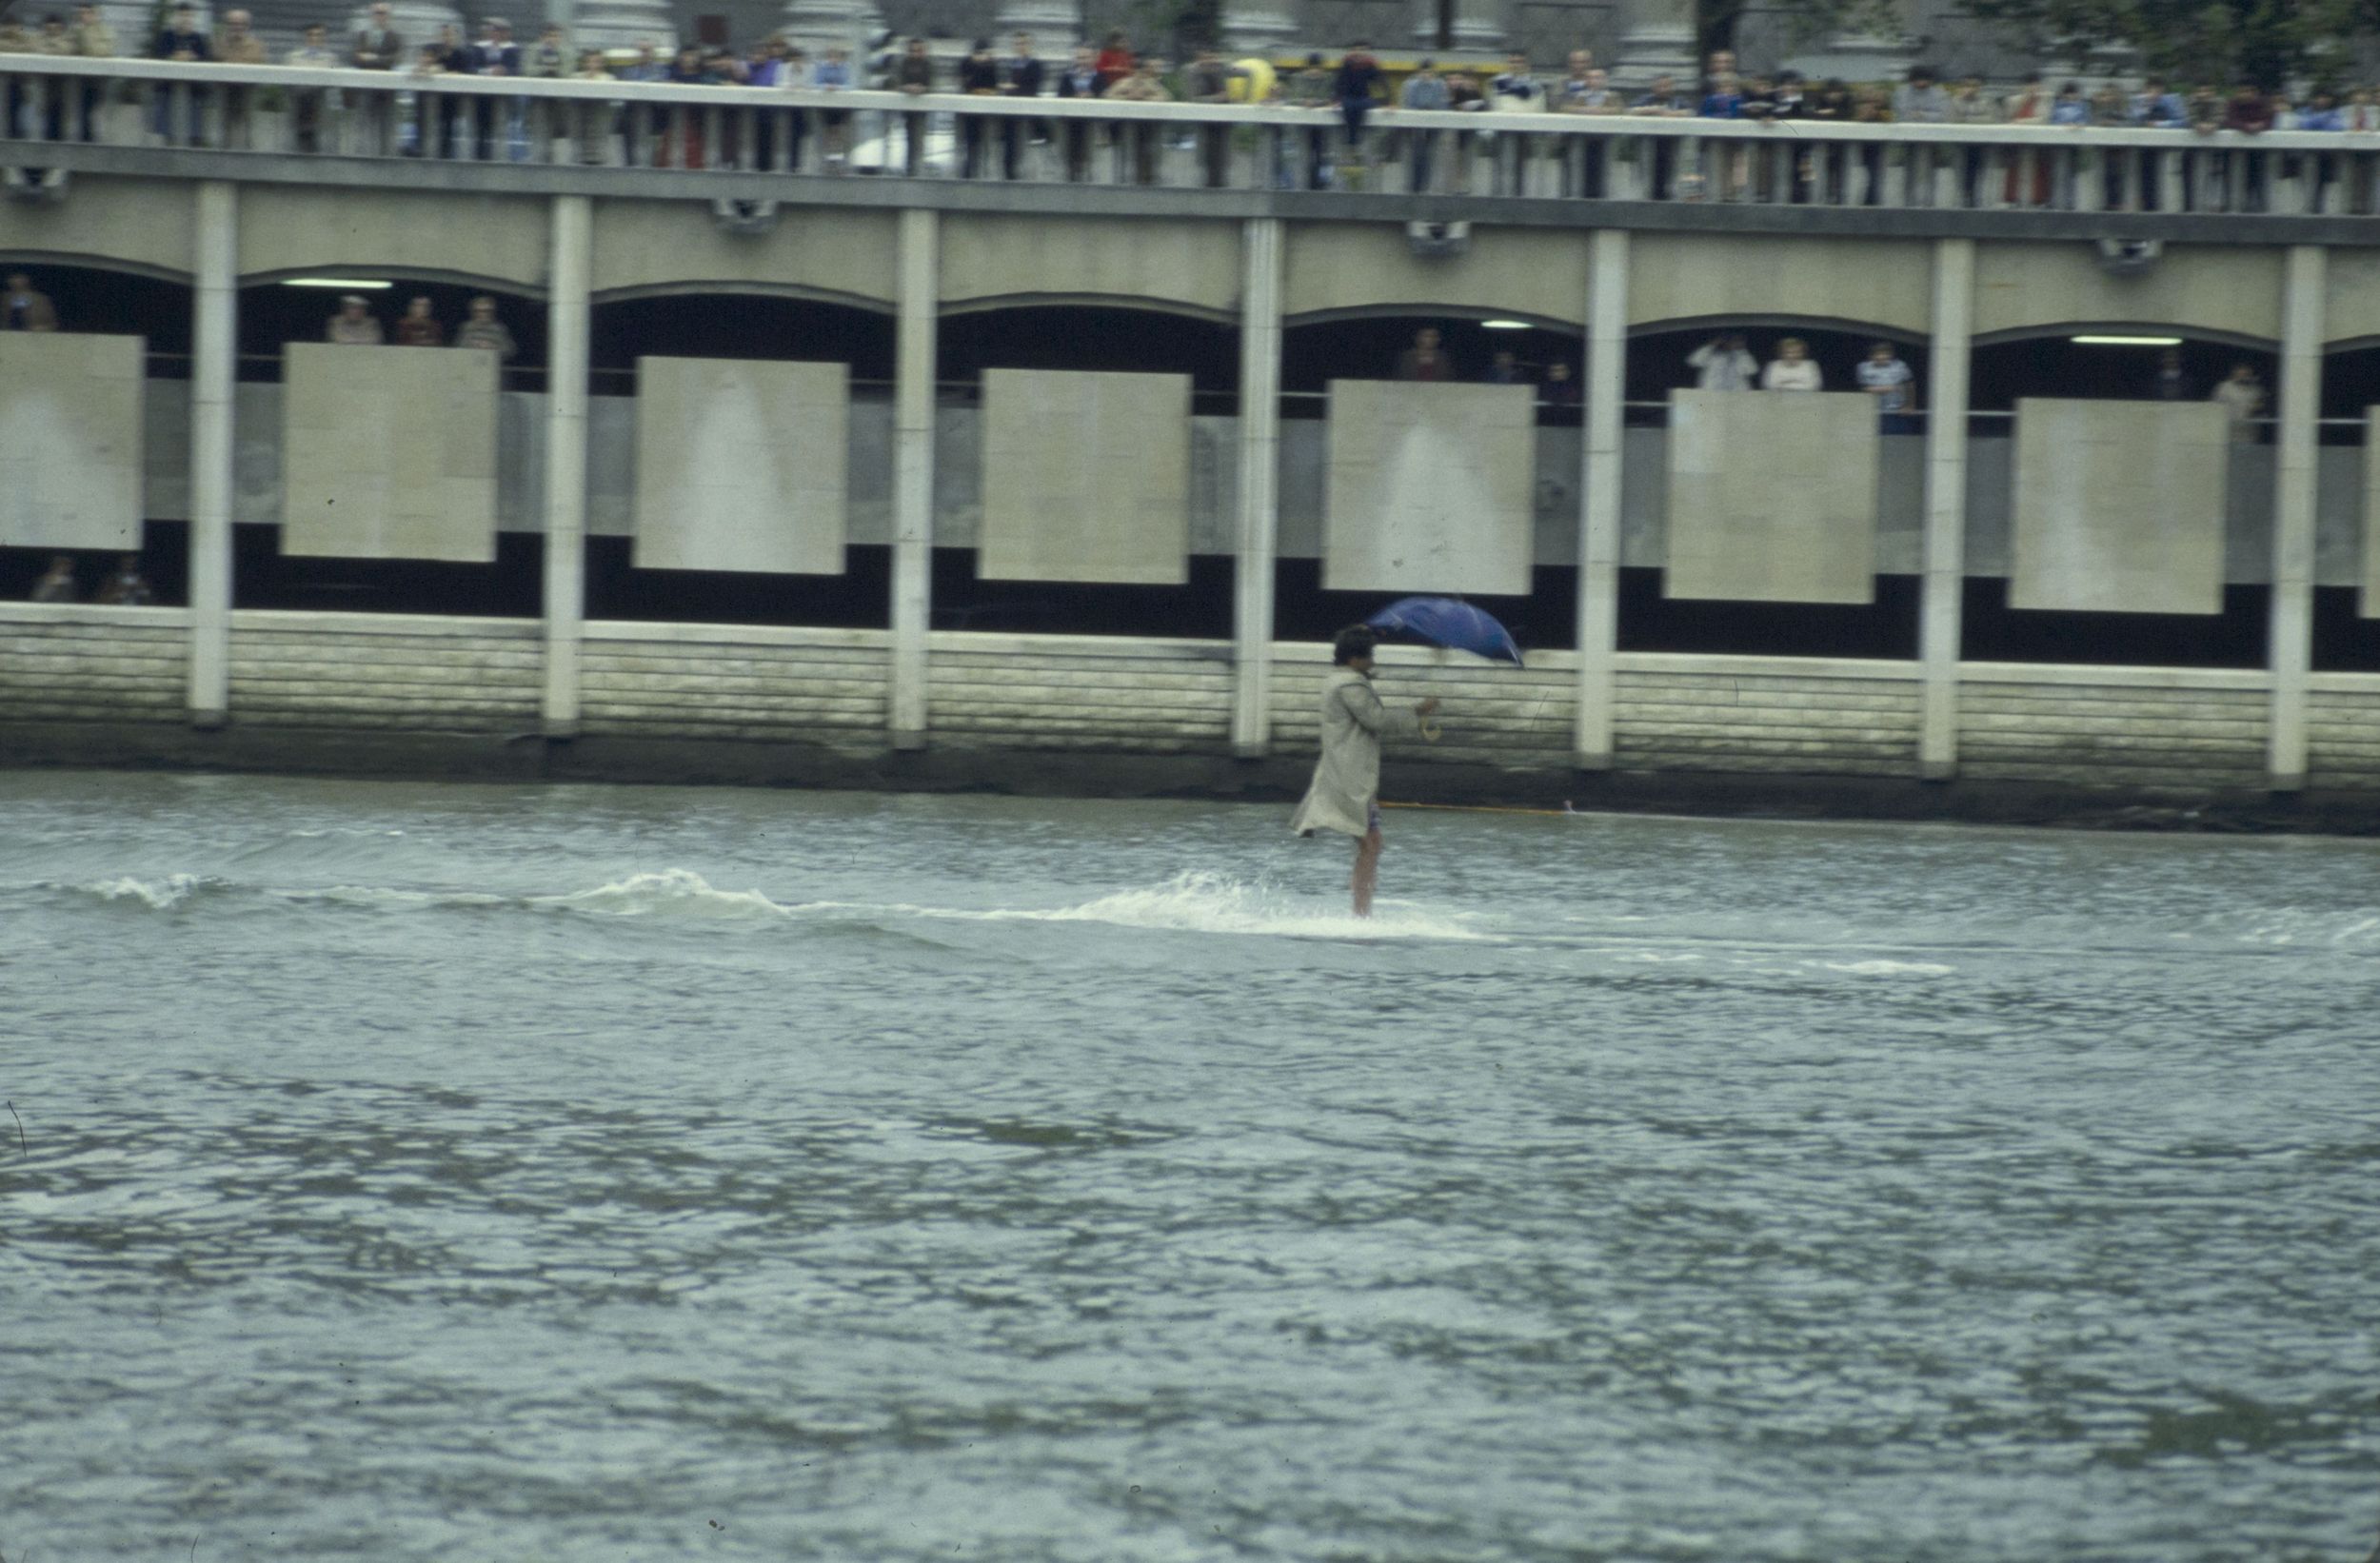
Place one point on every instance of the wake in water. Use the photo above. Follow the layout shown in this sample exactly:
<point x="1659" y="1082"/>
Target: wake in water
<point x="1209" y="902"/>
<point x="1198" y="902"/>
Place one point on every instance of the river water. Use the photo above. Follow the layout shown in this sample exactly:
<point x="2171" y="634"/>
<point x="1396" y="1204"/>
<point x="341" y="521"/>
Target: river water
<point x="506" y="1173"/>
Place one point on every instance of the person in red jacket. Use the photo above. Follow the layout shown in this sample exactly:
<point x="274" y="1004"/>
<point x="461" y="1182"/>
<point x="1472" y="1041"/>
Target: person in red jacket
<point x="1115" y="62"/>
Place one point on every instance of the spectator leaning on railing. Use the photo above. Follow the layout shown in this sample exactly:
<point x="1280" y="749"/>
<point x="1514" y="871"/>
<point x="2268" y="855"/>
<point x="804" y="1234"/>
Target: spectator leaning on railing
<point x="309" y="104"/>
<point x="2236" y="174"/>
<point x="1427" y="91"/>
<point x="1021" y="76"/>
<point x="1145" y="85"/>
<point x="979" y="76"/>
<point x="1361" y="87"/>
<point x="90" y="38"/>
<point x="180" y="40"/>
<point x="1081" y="79"/>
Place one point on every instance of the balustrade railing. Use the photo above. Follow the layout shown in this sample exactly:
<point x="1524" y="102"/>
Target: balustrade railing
<point x="1540" y="156"/>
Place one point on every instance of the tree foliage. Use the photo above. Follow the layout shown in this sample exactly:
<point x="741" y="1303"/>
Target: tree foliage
<point x="2269" y="42"/>
<point x="1803" y="19"/>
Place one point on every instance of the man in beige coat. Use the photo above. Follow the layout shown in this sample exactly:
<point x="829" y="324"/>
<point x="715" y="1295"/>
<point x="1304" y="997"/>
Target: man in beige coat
<point x="1345" y="794"/>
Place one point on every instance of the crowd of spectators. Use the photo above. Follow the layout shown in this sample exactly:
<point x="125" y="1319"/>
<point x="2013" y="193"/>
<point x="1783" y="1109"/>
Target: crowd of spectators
<point x="123" y="586"/>
<point x="355" y="326"/>
<point x="1428" y="360"/>
<point x="1726" y="364"/>
<point x="1354" y="89"/>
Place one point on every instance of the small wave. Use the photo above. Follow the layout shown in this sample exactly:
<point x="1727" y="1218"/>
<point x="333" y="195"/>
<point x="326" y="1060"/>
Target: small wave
<point x="2295" y="926"/>
<point x="380" y="898"/>
<point x="1191" y="902"/>
<point x="1207" y="903"/>
<point x="670" y="892"/>
<point x="1890" y="968"/>
<point x="678" y="891"/>
<point x="157" y="894"/>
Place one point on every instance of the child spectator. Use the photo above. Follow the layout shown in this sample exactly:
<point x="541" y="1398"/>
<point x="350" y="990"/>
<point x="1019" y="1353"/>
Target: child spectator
<point x="1793" y="369"/>
<point x="1883" y="376"/>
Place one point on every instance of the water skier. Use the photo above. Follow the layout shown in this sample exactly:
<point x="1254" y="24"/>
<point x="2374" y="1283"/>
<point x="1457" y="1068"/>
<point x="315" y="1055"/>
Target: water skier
<point x="1345" y="794"/>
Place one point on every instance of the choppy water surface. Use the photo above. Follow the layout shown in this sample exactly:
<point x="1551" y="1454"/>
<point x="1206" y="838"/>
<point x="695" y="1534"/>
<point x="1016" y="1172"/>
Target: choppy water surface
<point x="572" y="1173"/>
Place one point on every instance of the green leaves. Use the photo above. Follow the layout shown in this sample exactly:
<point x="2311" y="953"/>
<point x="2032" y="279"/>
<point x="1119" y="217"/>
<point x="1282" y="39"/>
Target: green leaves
<point x="2220" y="43"/>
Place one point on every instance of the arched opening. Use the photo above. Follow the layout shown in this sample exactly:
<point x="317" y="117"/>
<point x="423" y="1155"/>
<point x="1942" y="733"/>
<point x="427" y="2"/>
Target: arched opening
<point x="2109" y="361"/>
<point x="1479" y="347"/>
<point x="2100" y="362"/>
<point x="108" y="301"/>
<point x="112" y="302"/>
<point x="1094" y="338"/>
<point x="1666" y="356"/>
<point x="1482" y="346"/>
<point x="783" y="327"/>
<point x="2345" y="640"/>
<point x="650" y="324"/>
<point x="278" y="312"/>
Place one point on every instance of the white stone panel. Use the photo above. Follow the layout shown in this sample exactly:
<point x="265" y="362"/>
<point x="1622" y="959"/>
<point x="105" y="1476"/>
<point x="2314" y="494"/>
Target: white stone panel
<point x="1429" y="487"/>
<point x="741" y="465"/>
<point x="1086" y="477"/>
<point x="388" y="452"/>
<point x="2119" y="506"/>
<point x="1772" y="497"/>
<point x="70" y="461"/>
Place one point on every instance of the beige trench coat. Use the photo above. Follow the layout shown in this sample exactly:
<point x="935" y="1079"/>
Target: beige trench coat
<point x="1347" y="778"/>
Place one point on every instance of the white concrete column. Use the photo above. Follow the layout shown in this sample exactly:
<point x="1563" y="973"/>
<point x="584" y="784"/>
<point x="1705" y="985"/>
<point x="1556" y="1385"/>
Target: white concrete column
<point x="1656" y="38"/>
<point x="623" y="24"/>
<point x="1478" y="25"/>
<point x="913" y="472"/>
<point x="1261" y="249"/>
<point x="2292" y="622"/>
<point x="1599" y="522"/>
<point x="1055" y="24"/>
<point x="1258" y="27"/>
<point x="1944" y="581"/>
<point x="215" y="358"/>
<point x="567" y="320"/>
<point x="819" y="24"/>
<point x="416" y="21"/>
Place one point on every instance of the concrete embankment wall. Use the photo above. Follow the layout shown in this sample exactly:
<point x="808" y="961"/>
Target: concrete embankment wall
<point x="368" y="694"/>
<point x="400" y="672"/>
<point x="93" y="664"/>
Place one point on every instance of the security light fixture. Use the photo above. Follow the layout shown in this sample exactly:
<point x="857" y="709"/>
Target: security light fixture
<point x="2126" y="341"/>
